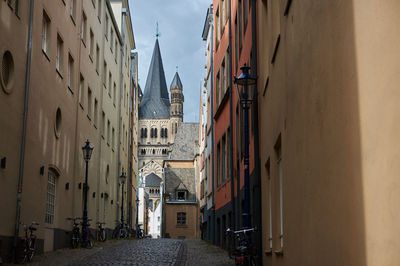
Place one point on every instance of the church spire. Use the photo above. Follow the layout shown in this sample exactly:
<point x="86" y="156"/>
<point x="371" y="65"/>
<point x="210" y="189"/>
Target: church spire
<point x="155" y="102"/>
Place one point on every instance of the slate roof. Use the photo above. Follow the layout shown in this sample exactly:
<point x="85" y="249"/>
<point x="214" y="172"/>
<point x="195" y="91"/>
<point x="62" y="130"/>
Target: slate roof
<point x="176" y="177"/>
<point x="153" y="180"/>
<point x="176" y="82"/>
<point x="140" y="92"/>
<point x="155" y="102"/>
<point x="184" y="147"/>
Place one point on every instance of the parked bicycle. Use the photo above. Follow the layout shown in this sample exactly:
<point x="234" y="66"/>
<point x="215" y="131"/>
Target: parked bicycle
<point x="240" y="246"/>
<point x="139" y="231"/>
<point x="77" y="235"/>
<point x="120" y="230"/>
<point x="29" y="242"/>
<point x="101" y="233"/>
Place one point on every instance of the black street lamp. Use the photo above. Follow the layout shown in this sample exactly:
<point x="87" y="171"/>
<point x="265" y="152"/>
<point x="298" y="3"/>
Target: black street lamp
<point x="87" y="154"/>
<point x="243" y="82"/>
<point x="123" y="178"/>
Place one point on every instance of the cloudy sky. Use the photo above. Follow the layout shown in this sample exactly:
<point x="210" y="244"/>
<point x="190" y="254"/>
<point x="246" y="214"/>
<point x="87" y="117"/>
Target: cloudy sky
<point x="181" y="25"/>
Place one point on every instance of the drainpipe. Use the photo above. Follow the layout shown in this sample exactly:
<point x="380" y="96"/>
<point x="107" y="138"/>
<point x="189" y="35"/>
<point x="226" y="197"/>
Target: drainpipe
<point x="120" y="103"/>
<point x="233" y="223"/>
<point x="24" y="125"/>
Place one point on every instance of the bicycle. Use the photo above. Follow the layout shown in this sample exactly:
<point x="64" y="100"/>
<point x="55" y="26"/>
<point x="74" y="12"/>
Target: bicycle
<point x="77" y="234"/>
<point x="120" y="231"/>
<point x="139" y="231"/>
<point x="29" y="242"/>
<point x="240" y="246"/>
<point x="101" y="234"/>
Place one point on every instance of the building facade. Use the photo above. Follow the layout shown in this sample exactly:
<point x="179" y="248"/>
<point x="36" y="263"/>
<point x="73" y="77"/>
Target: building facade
<point x="64" y="73"/>
<point x="328" y="94"/>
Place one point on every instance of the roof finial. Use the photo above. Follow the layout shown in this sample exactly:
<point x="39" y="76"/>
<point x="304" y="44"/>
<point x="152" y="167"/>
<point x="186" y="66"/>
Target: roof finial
<point x="158" y="34"/>
<point x="176" y="69"/>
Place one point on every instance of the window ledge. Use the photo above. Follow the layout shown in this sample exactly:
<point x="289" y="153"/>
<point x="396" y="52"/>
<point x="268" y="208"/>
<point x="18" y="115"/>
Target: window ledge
<point x="59" y="73"/>
<point x="45" y="54"/>
<point x="99" y="19"/>
<point x="279" y="252"/>
<point x="71" y="90"/>
<point x="268" y="252"/>
<point x="73" y="19"/>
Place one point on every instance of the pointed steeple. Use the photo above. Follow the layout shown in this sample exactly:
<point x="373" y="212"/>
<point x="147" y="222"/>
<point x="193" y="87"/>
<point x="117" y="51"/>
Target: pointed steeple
<point x="176" y="82"/>
<point x="155" y="102"/>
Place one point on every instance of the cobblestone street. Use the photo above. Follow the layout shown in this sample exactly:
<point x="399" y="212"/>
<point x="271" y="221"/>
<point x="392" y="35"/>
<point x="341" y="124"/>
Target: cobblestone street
<point x="140" y="252"/>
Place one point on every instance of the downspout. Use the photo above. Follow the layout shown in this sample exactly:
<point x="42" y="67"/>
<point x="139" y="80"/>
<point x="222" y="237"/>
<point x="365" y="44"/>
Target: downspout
<point x="233" y="223"/>
<point x="24" y="125"/>
<point x="120" y="103"/>
<point x="255" y="124"/>
<point x="212" y="126"/>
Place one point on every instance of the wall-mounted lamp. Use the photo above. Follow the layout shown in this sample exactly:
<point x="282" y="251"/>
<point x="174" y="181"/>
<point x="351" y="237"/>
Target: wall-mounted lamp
<point x="3" y="163"/>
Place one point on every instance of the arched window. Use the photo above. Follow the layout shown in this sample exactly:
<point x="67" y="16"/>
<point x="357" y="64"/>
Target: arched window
<point x="145" y="132"/>
<point x="155" y="132"/>
<point x="165" y="133"/>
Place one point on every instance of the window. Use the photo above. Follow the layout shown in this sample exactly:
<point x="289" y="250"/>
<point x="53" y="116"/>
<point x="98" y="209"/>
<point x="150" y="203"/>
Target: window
<point x="59" y="54"/>
<point x="223" y="159"/>
<point x="51" y="198"/>
<point x="278" y="151"/>
<point x="181" y="195"/>
<point x="245" y="13"/>
<point x="14" y="5"/>
<point x="70" y="72"/>
<point x="91" y="44"/>
<point x="116" y="50"/>
<point x="223" y="87"/>
<point x="81" y="89"/>
<point x="106" y="27"/>
<point x="103" y="124"/>
<point x="99" y="10"/>
<point x="46" y="33"/>
<point x="217" y="27"/>
<point x="108" y="132"/>
<point x="95" y="111"/>
<point x="57" y="125"/>
<point x="217" y="89"/>
<point x="240" y="25"/>
<point x="158" y="218"/>
<point x="72" y="9"/>
<point x="105" y="73"/>
<point x="7" y="72"/>
<point x="181" y="218"/>
<point x="269" y="183"/>
<point x="113" y="138"/>
<point x="219" y="164"/>
<point x="84" y="26"/>
<point x="89" y="111"/>
<point x="115" y="94"/>
<point x="112" y="39"/>
<point x="109" y="83"/>
<point x="236" y="44"/>
<point x="97" y="58"/>
<point x="228" y="154"/>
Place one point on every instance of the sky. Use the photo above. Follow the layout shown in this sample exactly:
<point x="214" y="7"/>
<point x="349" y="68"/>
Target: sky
<point x="181" y="25"/>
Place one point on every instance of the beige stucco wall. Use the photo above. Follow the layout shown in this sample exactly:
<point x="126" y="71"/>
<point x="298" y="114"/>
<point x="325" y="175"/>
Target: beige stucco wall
<point x="175" y="231"/>
<point x="61" y="153"/>
<point x="333" y="97"/>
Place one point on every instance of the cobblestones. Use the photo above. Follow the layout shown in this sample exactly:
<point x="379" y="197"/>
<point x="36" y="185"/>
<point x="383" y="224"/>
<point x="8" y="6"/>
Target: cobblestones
<point x="140" y="252"/>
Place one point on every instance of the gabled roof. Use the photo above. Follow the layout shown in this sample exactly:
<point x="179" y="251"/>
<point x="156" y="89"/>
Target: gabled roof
<point x="176" y="82"/>
<point x="155" y="102"/>
<point x="153" y="180"/>
<point x="181" y="187"/>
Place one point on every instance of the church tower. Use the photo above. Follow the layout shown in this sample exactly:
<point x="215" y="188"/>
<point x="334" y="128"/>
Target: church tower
<point x="177" y="99"/>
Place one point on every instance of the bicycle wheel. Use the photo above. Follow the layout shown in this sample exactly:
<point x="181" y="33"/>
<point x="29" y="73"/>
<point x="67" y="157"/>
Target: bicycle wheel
<point x="252" y="261"/>
<point x="75" y="241"/>
<point x="101" y="236"/>
<point x="31" y="249"/>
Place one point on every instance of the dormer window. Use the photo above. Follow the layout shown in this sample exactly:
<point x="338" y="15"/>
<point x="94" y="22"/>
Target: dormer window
<point x="181" y="195"/>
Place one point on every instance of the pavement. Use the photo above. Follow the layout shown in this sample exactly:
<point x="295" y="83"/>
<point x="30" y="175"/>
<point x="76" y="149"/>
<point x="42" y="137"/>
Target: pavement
<point x="162" y="251"/>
